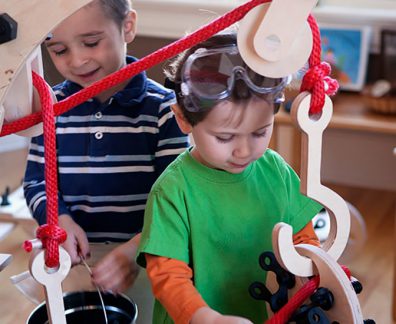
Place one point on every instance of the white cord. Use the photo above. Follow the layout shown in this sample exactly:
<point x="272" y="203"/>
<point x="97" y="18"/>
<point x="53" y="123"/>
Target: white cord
<point x="97" y="288"/>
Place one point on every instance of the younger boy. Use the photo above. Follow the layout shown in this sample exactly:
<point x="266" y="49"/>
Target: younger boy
<point x="211" y="213"/>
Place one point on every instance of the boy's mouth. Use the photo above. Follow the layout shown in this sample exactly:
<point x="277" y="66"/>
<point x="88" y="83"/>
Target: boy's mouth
<point x="239" y="166"/>
<point x="88" y="74"/>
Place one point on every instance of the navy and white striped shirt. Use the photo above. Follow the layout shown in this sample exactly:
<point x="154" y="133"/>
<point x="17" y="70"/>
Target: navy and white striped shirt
<point x="109" y="155"/>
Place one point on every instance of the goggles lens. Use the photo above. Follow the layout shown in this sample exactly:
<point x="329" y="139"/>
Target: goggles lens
<point x="211" y="75"/>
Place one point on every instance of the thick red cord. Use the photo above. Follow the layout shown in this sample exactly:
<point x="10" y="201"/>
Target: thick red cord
<point x="318" y="74"/>
<point x="131" y="70"/>
<point x="284" y="314"/>
<point x="50" y="234"/>
<point x="313" y="81"/>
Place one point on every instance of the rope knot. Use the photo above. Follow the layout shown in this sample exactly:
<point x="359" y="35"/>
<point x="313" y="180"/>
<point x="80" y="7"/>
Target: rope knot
<point x="318" y="82"/>
<point x="48" y="232"/>
<point x="51" y="236"/>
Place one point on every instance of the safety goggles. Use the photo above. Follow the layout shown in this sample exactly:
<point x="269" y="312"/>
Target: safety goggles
<point x="210" y="76"/>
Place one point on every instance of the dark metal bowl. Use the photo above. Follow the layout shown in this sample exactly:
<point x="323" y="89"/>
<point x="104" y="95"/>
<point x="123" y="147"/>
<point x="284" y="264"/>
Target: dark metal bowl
<point x="85" y="307"/>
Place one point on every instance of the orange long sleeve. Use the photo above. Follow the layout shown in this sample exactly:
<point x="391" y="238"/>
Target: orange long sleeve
<point x="306" y="235"/>
<point x="172" y="284"/>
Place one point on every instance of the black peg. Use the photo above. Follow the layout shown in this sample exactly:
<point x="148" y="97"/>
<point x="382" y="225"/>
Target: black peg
<point x="368" y="321"/>
<point x="312" y="315"/>
<point x="284" y="279"/>
<point x="8" y="28"/>
<point x="321" y="299"/>
<point x="4" y="197"/>
<point x="357" y="286"/>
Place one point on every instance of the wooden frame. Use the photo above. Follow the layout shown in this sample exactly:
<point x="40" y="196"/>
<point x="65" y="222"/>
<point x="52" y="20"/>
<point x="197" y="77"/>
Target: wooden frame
<point x="388" y="56"/>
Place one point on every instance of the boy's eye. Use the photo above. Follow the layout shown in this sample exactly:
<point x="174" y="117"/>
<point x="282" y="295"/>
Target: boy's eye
<point x="59" y="52"/>
<point x="224" y="138"/>
<point x="91" y="44"/>
<point x="260" y="134"/>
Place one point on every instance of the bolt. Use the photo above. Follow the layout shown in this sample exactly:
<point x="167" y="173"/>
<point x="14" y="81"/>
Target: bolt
<point x="8" y="28"/>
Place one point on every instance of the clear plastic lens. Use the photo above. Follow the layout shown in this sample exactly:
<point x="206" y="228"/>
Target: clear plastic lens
<point x="210" y="75"/>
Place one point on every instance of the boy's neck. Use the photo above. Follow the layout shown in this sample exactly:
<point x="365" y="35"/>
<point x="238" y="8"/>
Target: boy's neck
<point x="107" y="94"/>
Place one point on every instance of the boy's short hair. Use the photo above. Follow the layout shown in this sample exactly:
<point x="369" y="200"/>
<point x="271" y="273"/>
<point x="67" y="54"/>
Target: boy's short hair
<point x="116" y="10"/>
<point x="174" y="70"/>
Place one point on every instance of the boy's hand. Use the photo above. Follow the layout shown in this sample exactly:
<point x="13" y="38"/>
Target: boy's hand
<point x="76" y="243"/>
<point x="118" y="270"/>
<point x="209" y="316"/>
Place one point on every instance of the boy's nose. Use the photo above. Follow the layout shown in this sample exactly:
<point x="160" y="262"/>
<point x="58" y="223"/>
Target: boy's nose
<point x="77" y="59"/>
<point x="243" y="149"/>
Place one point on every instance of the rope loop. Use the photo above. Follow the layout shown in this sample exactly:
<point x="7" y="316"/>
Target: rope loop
<point x="318" y="82"/>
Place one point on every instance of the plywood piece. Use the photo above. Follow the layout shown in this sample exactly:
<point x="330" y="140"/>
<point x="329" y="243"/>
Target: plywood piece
<point x="5" y="260"/>
<point x="290" y="55"/>
<point x="34" y="24"/>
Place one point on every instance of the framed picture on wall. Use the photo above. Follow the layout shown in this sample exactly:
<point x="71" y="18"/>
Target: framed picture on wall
<point x="346" y="49"/>
<point x="388" y="56"/>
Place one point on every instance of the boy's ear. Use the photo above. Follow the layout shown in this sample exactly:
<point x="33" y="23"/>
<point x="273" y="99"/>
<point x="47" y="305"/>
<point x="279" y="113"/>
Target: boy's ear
<point x="129" y="26"/>
<point x="184" y="125"/>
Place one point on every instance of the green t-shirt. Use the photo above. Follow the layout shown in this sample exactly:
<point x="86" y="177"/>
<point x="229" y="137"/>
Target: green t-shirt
<point x="219" y="223"/>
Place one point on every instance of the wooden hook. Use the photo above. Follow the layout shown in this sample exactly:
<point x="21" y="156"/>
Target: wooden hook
<point x="312" y="128"/>
<point x="346" y="308"/>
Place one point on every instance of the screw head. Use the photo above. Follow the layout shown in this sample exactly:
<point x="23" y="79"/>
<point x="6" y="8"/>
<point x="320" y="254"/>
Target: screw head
<point x="8" y="28"/>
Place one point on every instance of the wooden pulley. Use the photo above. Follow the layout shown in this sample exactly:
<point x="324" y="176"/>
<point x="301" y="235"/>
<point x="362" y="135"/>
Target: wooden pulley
<point x="274" y="39"/>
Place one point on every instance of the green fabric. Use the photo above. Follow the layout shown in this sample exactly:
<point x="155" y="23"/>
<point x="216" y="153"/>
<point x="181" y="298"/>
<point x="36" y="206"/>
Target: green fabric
<point x="219" y="223"/>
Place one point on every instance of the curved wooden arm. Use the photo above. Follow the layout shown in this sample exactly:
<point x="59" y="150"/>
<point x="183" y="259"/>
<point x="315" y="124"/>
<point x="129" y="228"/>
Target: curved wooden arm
<point x="312" y="128"/>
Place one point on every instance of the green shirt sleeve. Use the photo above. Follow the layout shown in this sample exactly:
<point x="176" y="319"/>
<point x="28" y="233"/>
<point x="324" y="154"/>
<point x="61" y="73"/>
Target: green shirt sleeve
<point x="164" y="222"/>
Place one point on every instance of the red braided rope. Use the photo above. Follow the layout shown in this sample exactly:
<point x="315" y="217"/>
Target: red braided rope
<point x="284" y="314"/>
<point x="50" y="234"/>
<point x="318" y="75"/>
<point x="131" y="70"/>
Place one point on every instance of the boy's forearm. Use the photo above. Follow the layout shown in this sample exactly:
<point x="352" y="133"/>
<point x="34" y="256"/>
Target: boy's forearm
<point x="306" y="235"/>
<point x="172" y="285"/>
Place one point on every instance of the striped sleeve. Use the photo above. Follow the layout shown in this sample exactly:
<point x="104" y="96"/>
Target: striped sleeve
<point x="34" y="182"/>
<point x="171" y="141"/>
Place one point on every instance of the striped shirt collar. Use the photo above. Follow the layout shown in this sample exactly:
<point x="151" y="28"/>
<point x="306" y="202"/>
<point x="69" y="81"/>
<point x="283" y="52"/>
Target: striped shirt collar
<point x="133" y="93"/>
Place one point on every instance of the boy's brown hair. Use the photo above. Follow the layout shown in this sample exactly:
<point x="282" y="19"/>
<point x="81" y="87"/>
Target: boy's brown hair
<point x="116" y="10"/>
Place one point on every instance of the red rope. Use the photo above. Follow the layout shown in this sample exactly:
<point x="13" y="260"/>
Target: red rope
<point x="50" y="234"/>
<point x="131" y="70"/>
<point x="318" y="75"/>
<point x="284" y="314"/>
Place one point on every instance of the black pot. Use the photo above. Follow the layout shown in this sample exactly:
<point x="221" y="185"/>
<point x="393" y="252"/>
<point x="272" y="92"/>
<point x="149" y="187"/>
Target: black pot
<point x="85" y="307"/>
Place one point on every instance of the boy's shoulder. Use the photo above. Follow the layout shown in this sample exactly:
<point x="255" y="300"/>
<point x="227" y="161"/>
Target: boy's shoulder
<point x="157" y="90"/>
<point x="174" y="174"/>
<point x="65" y="89"/>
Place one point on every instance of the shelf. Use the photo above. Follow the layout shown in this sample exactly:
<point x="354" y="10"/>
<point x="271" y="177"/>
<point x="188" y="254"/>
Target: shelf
<point x="351" y="113"/>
